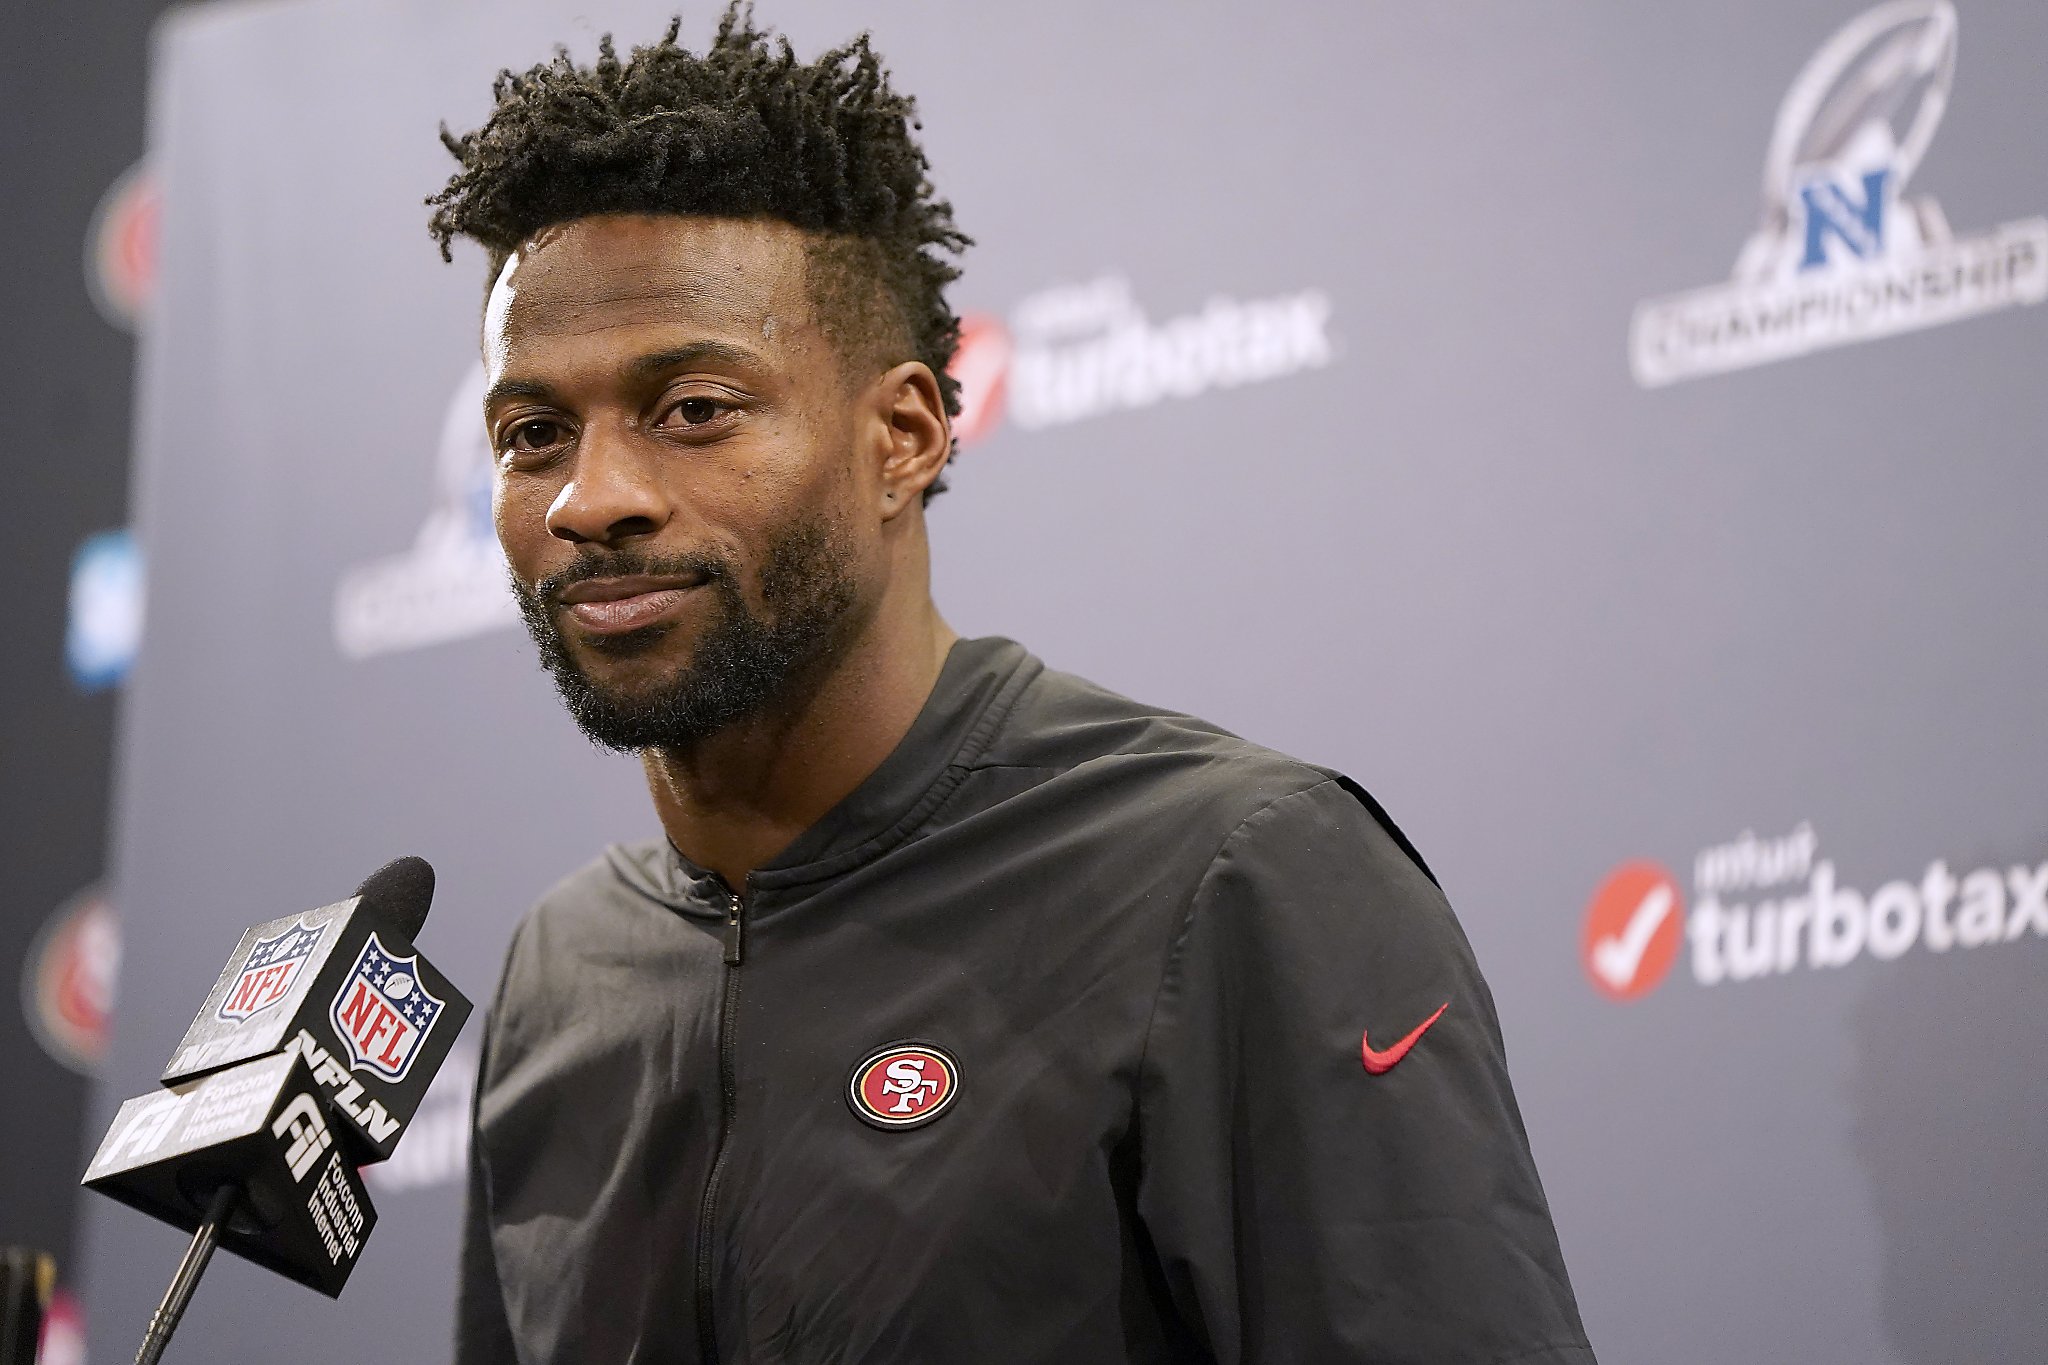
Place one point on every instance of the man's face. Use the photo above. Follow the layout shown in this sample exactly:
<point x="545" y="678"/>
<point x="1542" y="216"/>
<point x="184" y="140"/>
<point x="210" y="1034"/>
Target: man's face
<point x="677" y="490"/>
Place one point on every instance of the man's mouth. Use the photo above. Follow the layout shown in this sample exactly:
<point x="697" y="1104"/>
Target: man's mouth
<point x="614" y="606"/>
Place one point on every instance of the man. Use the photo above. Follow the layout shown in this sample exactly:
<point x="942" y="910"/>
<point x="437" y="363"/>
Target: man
<point x="969" y="1013"/>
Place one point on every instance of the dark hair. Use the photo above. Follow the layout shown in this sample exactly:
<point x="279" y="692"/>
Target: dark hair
<point x="744" y="131"/>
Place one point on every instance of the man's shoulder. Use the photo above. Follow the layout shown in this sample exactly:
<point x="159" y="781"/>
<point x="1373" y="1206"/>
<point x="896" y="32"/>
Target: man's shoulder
<point x="1063" y="723"/>
<point x="568" y="947"/>
<point x="623" y="883"/>
<point x="1170" y="768"/>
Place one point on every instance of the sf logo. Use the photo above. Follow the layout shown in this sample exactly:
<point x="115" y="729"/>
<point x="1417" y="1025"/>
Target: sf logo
<point x="903" y="1085"/>
<point x="906" y="1080"/>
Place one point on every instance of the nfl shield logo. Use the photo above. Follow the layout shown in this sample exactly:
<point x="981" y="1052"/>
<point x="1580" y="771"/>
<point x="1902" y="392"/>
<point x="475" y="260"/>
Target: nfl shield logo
<point x="384" y="1012"/>
<point x="270" y="972"/>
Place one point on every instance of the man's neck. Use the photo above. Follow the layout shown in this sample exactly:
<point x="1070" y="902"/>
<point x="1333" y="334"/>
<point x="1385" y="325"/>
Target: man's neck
<point x="733" y="802"/>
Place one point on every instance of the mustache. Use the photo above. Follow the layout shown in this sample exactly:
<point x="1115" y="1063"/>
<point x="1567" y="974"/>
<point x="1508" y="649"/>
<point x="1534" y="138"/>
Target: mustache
<point x="623" y="563"/>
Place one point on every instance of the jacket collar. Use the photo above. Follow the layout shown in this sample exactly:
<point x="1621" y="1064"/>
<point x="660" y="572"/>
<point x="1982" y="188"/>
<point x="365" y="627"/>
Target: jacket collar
<point x="976" y="688"/>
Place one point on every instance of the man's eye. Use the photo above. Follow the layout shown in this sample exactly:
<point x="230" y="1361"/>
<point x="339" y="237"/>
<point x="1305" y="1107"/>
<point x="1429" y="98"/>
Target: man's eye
<point x="695" y="412"/>
<point x="534" y="434"/>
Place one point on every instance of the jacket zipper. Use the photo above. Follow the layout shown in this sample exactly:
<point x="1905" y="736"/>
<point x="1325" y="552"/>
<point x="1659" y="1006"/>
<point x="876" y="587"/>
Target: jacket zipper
<point x="735" y="950"/>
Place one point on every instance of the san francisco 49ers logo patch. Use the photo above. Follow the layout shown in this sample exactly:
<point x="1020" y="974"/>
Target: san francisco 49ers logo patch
<point x="903" y="1085"/>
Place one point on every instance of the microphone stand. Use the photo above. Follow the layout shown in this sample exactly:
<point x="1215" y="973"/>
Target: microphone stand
<point x="164" y="1321"/>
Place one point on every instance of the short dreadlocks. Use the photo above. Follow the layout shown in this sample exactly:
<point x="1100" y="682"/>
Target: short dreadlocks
<point x="744" y="131"/>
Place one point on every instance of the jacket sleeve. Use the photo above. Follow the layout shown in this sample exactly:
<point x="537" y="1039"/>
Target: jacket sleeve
<point x="1307" y="1210"/>
<point x="483" y="1332"/>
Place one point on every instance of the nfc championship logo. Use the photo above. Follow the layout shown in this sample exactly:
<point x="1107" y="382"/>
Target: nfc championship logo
<point x="451" y="582"/>
<point x="270" y="971"/>
<point x="1843" y="255"/>
<point x="384" y="1012"/>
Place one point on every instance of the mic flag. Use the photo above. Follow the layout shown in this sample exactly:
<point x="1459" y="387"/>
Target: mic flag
<point x="308" y="1059"/>
<point x="344" y="988"/>
<point x="262" y="1128"/>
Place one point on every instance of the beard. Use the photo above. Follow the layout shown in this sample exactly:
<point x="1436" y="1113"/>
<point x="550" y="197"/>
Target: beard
<point x="745" y="662"/>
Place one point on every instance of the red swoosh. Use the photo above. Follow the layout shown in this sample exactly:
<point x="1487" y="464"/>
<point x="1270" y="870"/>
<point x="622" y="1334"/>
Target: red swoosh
<point x="1379" y="1063"/>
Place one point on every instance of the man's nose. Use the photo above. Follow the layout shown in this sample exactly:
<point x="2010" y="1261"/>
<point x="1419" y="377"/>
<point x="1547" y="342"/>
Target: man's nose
<point x="611" y="496"/>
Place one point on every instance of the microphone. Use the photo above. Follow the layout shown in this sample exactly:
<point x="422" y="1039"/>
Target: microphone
<point x="307" y="1060"/>
<point x="343" y="987"/>
<point x="399" y="893"/>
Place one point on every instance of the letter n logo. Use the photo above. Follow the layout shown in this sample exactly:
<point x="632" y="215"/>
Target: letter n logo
<point x="1832" y="212"/>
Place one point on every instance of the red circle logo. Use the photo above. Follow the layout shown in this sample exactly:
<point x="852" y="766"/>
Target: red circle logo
<point x="1632" y="931"/>
<point x="903" y="1085"/>
<point x="121" y="259"/>
<point x="981" y="366"/>
<point x="68" y="980"/>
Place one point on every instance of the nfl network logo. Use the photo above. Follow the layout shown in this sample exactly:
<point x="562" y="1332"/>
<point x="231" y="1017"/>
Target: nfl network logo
<point x="1842" y="255"/>
<point x="383" y="1012"/>
<point x="272" y="969"/>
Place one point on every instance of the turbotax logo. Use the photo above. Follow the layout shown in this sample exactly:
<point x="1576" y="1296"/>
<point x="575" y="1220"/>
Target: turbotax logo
<point x="1843" y="254"/>
<point x="1775" y="906"/>
<point x="1081" y="351"/>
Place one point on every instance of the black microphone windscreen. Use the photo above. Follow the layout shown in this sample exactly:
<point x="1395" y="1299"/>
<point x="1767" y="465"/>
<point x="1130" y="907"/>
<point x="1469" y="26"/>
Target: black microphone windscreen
<point x="398" y="894"/>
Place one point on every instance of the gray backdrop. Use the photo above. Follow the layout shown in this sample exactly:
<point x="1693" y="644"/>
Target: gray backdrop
<point x="1321" y="423"/>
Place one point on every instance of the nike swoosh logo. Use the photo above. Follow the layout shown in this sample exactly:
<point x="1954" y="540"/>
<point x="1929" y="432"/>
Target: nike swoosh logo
<point x="1379" y="1063"/>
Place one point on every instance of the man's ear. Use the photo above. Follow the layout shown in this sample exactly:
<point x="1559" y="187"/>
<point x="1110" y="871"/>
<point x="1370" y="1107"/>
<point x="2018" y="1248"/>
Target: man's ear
<point x="917" y="439"/>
